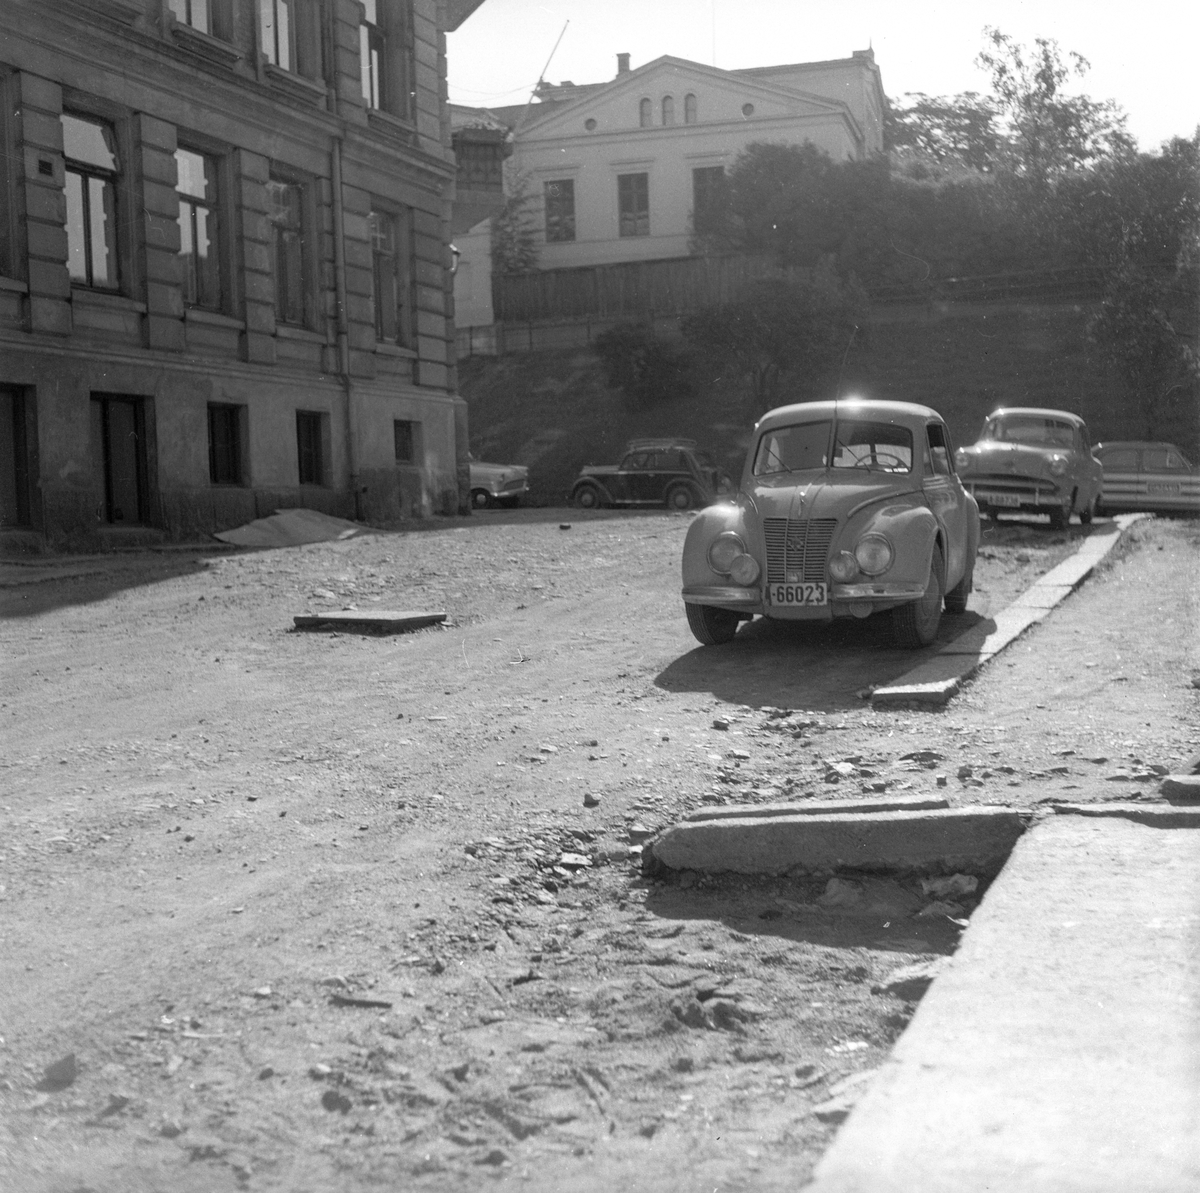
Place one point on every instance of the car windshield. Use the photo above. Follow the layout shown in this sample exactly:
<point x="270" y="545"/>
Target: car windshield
<point x="796" y="448"/>
<point x="877" y="447"/>
<point x="1033" y="429"/>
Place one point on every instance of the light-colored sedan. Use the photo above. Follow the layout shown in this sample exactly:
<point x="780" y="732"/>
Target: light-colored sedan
<point x="1140" y="475"/>
<point x="845" y="509"/>
<point x="497" y="484"/>
<point x="1033" y="461"/>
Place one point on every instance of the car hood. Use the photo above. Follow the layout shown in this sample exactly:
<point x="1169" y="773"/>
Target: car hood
<point x="990" y="455"/>
<point x="824" y="495"/>
<point x="480" y="469"/>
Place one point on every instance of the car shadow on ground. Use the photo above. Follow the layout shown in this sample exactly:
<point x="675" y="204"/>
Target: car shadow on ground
<point x="755" y="910"/>
<point x="823" y="666"/>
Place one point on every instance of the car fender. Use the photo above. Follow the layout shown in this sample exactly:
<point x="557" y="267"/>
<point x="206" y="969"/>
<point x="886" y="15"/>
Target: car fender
<point x="705" y="526"/>
<point x="911" y="528"/>
<point x="593" y="482"/>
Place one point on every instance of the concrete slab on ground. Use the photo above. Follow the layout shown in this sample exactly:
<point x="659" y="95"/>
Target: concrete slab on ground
<point x="815" y="807"/>
<point x="1157" y="815"/>
<point x="974" y="840"/>
<point x="1059" y="1052"/>
<point x="378" y="619"/>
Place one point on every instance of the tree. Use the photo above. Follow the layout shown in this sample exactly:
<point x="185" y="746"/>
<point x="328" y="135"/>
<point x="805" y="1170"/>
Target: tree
<point x="779" y="327"/>
<point x="514" y="236"/>
<point x="643" y="366"/>
<point x="1049" y="133"/>
<point x="944" y="132"/>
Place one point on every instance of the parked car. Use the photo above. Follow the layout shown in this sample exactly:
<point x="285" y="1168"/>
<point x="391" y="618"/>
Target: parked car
<point x="1139" y="475"/>
<point x="671" y="472"/>
<point x="1033" y="461"/>
<point x="845" y="509"/>
<point x="497" y="484"/>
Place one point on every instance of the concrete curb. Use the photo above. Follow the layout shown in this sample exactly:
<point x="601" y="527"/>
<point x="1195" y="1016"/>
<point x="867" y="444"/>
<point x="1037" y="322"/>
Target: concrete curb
<point x="934" y="682"/>
<point x="816" y="807"/>
<point x="976" y="840"/>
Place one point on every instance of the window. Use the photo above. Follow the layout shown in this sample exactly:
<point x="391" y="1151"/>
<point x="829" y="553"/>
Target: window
<point x="286" y="201"/>
<point x="225" y="444"/>
<point x="277" y="32"/>
<point x="391" y="262"/>
<point x="1162" y="459"/>
<point x="90" y="148"/>
<point x="14" y="459"/>
<point x="873" y="447"/>
<point x="939" y="450"/>
<point x="1121" y="460"/>
<point x="199" y="229"/>
<point x="633" y="200"/>
<point x="708" y="197"/>
<point x="310" y="445"/>
<point x="668" y="109"/>
<point x="371" y="55"/>
<point x="792" y="449"/>
<point x="689" y="109"/>
<point x="405" y="435"/>
<point x="192" y="12"/>
<point x="644" y="111"/>
<point x="560" y="211"/>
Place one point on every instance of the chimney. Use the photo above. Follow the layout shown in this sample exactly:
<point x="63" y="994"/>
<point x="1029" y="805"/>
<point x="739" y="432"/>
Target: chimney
<point x="622" y="64"/>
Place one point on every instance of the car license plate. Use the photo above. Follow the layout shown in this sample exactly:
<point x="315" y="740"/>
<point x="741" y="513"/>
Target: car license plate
<point x="1162" y="487"/>
<point x="799" y="594"/>
<point x="1012" y="499"/>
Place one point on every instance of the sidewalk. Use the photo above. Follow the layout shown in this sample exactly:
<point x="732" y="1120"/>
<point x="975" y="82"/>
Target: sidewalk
<point x="1060" y="1050"/>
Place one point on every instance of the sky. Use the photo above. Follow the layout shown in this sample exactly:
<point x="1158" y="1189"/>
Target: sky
<point x="1142" y="55"/>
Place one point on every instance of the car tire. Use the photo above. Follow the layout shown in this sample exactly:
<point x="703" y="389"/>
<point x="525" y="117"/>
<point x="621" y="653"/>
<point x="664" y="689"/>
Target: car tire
<point x="481" y="499"/>
<point x="915" y="623"/>
<point x="711" y="626"/>
<point x="586" y="497"/>
<point x="956" y="598"/>
<point x="680" y="498"/>
<point x="1086" y="516"/>
<point x="1059" y="518"/>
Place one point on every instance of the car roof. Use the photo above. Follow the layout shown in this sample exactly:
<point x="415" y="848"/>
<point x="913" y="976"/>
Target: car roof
<point x="643" y="444"/>
<point x="873" y="407"/>
<point x="1040" y="412"/>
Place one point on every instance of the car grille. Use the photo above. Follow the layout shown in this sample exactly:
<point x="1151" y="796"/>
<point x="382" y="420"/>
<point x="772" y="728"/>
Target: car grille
<point x="513" y="486"/>
<point x="799" y="546"/>
<point x="1007" y="483"/>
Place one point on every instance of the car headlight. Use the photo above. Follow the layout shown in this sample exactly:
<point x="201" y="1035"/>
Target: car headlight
<point x="843" y="566"/>
<point x="874" y="554"/>
<point x="744" y="570"/>
<point x="723" y="550"/>
<point x="1058" y="465"/>
<point x="962" y="459"/>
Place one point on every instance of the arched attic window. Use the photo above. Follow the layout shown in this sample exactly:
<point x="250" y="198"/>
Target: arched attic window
<point x="644" y="113"/>
<point x="689" y="108"/>
<point x="668" y="109"/>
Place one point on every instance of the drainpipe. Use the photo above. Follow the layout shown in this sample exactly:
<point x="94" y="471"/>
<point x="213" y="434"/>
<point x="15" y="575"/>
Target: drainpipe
<point x="339" y="283"/>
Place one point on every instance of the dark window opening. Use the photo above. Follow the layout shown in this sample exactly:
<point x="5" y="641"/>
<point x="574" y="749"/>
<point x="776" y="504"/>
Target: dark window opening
<point x="119" y="458"/>
<point x="199" y="229"/>
<point x="940" y="455"/>
<point x="90" y="149"/>
<point x="560" y="211"/>
<point x="225" y="444"/>
<point x="689" y="109"/>
<point x="310" y="447"/>
<point x="633" y="196"/>
<point x="668" y="110"/>
<point x="404" y="434"/>
<point x="14" y="459"/>
<point x="644" y="113"/>
<point x="391" y="274"/>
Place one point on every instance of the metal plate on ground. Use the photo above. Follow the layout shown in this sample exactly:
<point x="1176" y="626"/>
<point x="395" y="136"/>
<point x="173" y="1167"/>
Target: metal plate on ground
<point x="381" y="620"/>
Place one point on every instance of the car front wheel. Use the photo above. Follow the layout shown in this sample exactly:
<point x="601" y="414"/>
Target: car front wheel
<point x="480" y="499"/>
<point x="587" y="498"/>
<point x="711" y="626"/>
<point x="915" y="623"/>
<point x="680" y="497"/>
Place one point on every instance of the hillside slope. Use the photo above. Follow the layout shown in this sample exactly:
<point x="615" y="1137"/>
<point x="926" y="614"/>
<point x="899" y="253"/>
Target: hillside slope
<point x="553" y="411"/>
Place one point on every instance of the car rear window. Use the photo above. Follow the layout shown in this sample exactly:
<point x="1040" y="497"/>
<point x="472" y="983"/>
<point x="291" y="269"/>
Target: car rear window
<point x="875" y="447"/>
<point x="795" y="448"/>
<point x="1035" y="430"/>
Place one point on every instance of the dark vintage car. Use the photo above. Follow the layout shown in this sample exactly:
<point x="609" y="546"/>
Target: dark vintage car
<point x="1033" y="461"/>
<point x="671" y="472"/>
<point x="845" y="509"/>
<point x="1141" y="475"/>
<point x="497" y="484"/>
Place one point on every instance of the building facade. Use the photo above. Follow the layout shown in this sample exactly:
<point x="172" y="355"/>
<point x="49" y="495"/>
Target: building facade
<point x="615" y="171"/>
<point x="225" y="277"/>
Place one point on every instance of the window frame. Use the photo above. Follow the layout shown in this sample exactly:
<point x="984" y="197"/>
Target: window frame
<point x="110" y="179"/>
<point x="216" y="230"/>
<point x="633" y="218"/>
<point x="301" y="38"/>
<point x="560" y="227"/>
<point x="280" y="176"/>
<point x="399" y="277"/>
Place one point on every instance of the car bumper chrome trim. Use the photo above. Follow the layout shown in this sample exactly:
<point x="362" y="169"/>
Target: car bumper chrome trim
<point x="877" y="592"/>
<point x="722" y="594"/>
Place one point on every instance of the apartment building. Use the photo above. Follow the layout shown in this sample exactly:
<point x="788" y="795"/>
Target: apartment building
<point x="225" y="273"/>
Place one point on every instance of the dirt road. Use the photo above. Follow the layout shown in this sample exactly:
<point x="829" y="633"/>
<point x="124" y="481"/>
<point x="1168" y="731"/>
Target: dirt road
<point x="324" y="911"/>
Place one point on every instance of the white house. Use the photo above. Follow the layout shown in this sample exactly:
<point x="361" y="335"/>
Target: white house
<point x="617" y="169"/>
